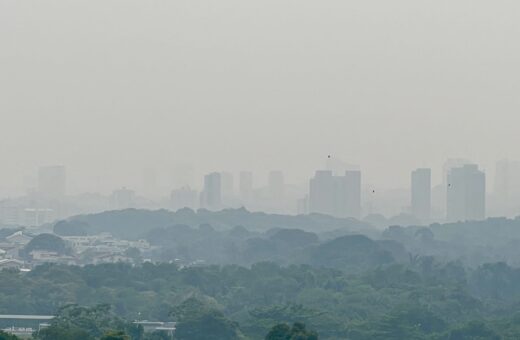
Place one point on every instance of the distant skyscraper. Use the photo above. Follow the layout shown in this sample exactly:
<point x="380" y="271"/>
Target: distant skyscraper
<point x="183" y="198"/>
<point x="322" y="193"/>
<point x="338" y="196"/>
<point x="466" y="194"/>
<point x="450" y="164"/>
<point x="122" y="199"/>
<point x="246" y="186"/>
<point x="439" y="199"/>
<point x="421" y="194"/>
<point x="211" y="197"/>
<point x="52" y="181"/>
<point x="338" y="167"/>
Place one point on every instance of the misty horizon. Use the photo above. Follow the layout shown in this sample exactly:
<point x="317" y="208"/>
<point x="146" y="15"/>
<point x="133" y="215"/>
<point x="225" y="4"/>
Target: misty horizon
<point x="237" y="86"/>
<point x="270" y="169"/>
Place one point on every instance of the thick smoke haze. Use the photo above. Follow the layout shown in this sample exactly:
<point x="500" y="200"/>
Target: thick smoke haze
<point x="110" y="88"/>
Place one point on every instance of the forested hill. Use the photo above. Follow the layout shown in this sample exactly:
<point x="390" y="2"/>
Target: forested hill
<point x="242" y="237"/>
<point x="423" y="300"/>
<point x="134" y="223"/>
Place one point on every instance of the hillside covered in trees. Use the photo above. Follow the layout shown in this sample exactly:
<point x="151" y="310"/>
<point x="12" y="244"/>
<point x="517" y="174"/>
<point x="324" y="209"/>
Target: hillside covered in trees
<point x="271" y="279"/>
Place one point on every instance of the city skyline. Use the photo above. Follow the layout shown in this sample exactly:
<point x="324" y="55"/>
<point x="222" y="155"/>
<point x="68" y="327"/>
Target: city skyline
<point x="417" y="85"/>
<point x="273" y="169"/>
<point x="334" y="190"/>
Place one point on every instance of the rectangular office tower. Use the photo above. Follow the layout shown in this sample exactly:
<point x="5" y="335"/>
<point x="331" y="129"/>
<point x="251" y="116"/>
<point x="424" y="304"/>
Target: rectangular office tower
<point x="211" y="197"/>
<point x="466" y="196"/>
<point x="338" y="196"/>
<point x="421" y="194"/>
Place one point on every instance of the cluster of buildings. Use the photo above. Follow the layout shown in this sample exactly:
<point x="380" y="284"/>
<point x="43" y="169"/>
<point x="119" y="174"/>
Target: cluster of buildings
<point x="337" y="190"/>
<point x="341" y="195"/>
<point x="465" y="187"/>
<point x="43" y="205"/>
<point x="102" y="248"/>
<point x="218" y="192"/>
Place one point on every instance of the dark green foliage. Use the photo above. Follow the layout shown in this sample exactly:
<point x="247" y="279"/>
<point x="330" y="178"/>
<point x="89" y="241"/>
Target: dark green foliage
<point x="198" y="320"/>
<point x="423" y="300"/>
<point x="349" y="287"/>
<point x="4" y="232"/>
<point x="99" y="322"/>
<point x="47" y="242"/>
<point x="133" y="223"/>
<point x="475" y="330"/>
<point x="294" y="238"/>
<point x="63" y="333"/>
<point x="296" y="332"/>
<point x="115" y="335"/>
<point x="354" y="252"/>
<point x="7" y="336"/>
<point x="71" y="228"/>
<point x="426" y="300"/>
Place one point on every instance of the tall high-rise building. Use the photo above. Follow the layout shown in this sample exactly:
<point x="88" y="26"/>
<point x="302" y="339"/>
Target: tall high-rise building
<point x="183" y="197"/>
<point x="322" y="193"/>
<point x="52" y="181"/>
<point x="466" y="194"/>
<point x="421" y="194"/>
<point x="338" y="196"/>
<point x="211" y="197"/>
<point x="246" y="186"/>
<point x="439" y="199"/>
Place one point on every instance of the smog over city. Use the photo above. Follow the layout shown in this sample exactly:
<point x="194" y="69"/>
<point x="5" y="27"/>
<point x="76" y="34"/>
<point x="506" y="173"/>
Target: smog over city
<point x="259" y="169"/>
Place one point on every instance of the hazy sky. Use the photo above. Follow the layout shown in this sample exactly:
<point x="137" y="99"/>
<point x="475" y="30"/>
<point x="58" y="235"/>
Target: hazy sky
<point x="111" y="87"/>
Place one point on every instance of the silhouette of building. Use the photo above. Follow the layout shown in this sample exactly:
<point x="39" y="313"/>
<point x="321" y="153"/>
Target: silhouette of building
<point x="52" y="181"/>
<point x="466" y="194"/>
<point x="211" y="197"/>
<point x="439" y="198"/>
<point x="322" y="193"/>
<point x="338" y="196"/>
<point x="183" y="197"/>
<point x="421" y="194"/>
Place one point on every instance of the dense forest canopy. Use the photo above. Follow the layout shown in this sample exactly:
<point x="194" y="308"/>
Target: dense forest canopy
<point x="273" y="280"/>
